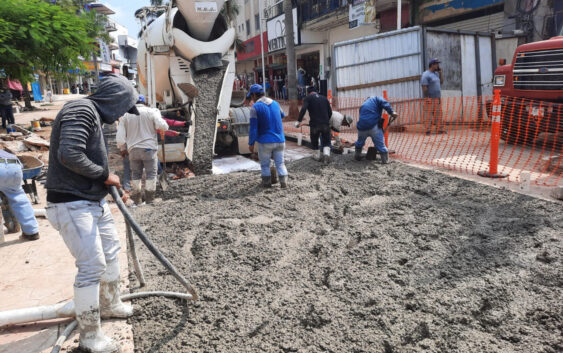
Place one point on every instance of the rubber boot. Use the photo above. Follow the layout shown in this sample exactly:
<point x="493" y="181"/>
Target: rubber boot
<point x="266" y="182"/>
<point x="110" y="301"/>
<point x="358" y="154"/>
<point x="150" y="191"/>
<point x="273" y="175"/>
<point x="326" y="155"/>
<point x="316" y="155"/>
<point x="371" y="154"/>
<point x="384" y="157"/>
<point x="87" y="308"/>
<point x="283" y="181"/>
<point x="136" y="192"/>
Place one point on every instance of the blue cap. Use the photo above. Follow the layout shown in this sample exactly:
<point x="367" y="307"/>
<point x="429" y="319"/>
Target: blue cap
<point x="141" y="99"/>
<point x="254" y="89"/>
<point x="433" y="61"/>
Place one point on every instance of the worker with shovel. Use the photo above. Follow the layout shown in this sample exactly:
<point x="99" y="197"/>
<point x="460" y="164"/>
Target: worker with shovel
<point x="136" y="136"/>
<point x="370" y="124"/>
<point x="77" y="184"/>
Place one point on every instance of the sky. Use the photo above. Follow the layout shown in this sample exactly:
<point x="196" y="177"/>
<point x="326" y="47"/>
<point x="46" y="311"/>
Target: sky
<point x="125" y="13"/>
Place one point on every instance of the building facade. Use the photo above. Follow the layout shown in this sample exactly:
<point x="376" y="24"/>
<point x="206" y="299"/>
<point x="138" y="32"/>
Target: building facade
<point x="319" y="24"/>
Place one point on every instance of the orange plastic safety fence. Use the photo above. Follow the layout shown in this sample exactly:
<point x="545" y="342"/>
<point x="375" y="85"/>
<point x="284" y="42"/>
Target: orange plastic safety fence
<point x="455" y="133"/>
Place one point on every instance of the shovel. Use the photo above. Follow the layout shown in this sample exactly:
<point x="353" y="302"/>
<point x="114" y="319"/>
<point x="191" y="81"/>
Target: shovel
<point x="163" y="178"/>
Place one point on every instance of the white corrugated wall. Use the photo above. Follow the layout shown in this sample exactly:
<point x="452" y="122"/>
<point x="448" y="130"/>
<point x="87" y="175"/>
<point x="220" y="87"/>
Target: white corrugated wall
<point x="379" y="58"/>
<point x="488" y="23"/>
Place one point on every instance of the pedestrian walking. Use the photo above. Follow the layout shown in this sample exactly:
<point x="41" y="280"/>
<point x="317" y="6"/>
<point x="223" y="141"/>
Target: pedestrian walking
<point x="319" y="122"/>
<point x="370" y="124"/>
<point x="266" y="129"/>
<point x="6" y="109"/>
<point x="77" y="184"/>
<point x="11" y="178"/>
<point x="431" y="81"/>
<point x="137" y="138"/>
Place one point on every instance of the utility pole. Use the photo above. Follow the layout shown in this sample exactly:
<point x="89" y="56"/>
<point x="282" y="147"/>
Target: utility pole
<point x="291" y="62"/>
<point x="260" y="14"/>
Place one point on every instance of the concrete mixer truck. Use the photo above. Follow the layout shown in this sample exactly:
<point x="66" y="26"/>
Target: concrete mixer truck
<point x="186" y="68"/>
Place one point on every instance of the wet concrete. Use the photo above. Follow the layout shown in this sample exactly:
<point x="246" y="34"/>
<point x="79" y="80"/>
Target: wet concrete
<point x="209" y="84"/>
<point x="353" y="257"/>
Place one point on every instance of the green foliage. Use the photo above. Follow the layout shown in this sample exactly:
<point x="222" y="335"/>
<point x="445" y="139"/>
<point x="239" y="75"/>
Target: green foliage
<point x="37" y="35"/>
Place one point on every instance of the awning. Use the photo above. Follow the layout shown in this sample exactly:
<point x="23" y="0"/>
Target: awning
<point x="15" y="85"/>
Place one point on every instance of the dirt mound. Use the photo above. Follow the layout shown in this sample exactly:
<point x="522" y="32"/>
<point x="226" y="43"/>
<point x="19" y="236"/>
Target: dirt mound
<point x="353" y="257"/>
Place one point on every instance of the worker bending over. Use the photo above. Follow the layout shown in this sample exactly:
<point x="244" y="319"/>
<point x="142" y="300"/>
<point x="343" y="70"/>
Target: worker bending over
<point x="337" y="120"/>
<point x="137" y="137"/>
<point x="370" y="124"/>
<point x="77" y="184"/>
<point x="266" y="128"/>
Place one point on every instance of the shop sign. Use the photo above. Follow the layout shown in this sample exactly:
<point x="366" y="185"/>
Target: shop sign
<point x="106" y="67"/>
<point x="252" y="48"/>
<point x="276" y="32"/>
<point x="361" y="12"/>
<point x="89" y="66"/>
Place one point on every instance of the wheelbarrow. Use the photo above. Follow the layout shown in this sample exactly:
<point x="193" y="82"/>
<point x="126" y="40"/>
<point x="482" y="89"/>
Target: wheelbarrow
<point x="32" y="168"/>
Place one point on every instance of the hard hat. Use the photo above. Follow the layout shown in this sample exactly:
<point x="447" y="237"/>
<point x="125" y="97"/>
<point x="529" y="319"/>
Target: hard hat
<point x="141" y="99"/>
<point x="348" y="119"/>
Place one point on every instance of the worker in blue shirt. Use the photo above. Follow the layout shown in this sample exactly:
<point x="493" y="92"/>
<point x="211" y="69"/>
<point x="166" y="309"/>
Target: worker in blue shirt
<point x="266" y="128"/>
<point x="370" y="124"/>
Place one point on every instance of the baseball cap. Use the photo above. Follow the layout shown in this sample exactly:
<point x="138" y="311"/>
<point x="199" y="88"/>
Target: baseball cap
<point x="141" y="99"/>
<point x="254" y="89"/>
<point x="433" y="61"/>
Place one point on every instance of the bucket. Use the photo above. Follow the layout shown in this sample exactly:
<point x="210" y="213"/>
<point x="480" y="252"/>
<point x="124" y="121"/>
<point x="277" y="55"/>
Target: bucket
<point x="9" y="129"/>
<point x="35" y="125"/>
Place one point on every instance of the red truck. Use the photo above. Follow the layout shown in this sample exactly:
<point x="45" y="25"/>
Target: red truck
<point x="532" y="93"/>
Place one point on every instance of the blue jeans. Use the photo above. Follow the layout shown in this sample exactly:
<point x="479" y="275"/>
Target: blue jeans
<point x="11" y="185"/>
<point x="377" y="137"/>
<point x="126" y="182"/>
<point x="266" y="151"/>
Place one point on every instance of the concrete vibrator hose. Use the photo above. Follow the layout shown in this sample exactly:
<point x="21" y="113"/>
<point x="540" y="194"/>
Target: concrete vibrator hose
<point x="149" y="244"/>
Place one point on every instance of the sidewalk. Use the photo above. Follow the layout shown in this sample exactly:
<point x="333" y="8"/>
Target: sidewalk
<point x="42" y="272"/>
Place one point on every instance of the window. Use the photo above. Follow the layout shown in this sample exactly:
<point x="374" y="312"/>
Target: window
<point x="247" y="27"/>
<point x="257" y="22"/>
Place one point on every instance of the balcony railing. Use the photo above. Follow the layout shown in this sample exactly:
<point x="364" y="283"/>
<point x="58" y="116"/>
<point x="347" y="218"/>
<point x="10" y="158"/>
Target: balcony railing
<point x="315" y="9"/>
<point x="110" y="27"/>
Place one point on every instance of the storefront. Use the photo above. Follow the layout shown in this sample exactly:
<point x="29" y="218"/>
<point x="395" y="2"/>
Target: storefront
<point x="249" y="60"/>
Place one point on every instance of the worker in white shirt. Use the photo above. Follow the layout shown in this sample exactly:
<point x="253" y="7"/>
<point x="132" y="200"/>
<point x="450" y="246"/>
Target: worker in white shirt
<point x="337" y="120"/>
<point x="137" y="137"/>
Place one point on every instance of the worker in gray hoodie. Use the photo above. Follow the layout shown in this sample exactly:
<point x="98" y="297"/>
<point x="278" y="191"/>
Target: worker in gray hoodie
<point x="77" y="183"/>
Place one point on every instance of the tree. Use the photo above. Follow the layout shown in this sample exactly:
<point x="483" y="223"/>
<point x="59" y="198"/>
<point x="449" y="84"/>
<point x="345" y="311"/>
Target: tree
<point x="37" y="35"/>
<point x="291" y="62"/>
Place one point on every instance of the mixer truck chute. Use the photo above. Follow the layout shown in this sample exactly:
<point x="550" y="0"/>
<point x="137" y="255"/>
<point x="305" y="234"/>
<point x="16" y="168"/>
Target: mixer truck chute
<point x="186" y="68"/>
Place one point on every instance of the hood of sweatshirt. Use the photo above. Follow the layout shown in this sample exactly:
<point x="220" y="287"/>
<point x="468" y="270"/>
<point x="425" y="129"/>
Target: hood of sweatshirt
<point x="114" y="97"/>
<point x="265" y="100"/>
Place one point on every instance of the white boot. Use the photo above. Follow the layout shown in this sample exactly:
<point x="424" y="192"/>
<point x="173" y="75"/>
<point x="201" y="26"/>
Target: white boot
<point x="110" y="302"/>
<point x="316" y="155"/>
<point x="87" y="307"/>
<point x="326" y="154"/>
<point x="136" y="192"/>
<point x="150" y="191"/>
